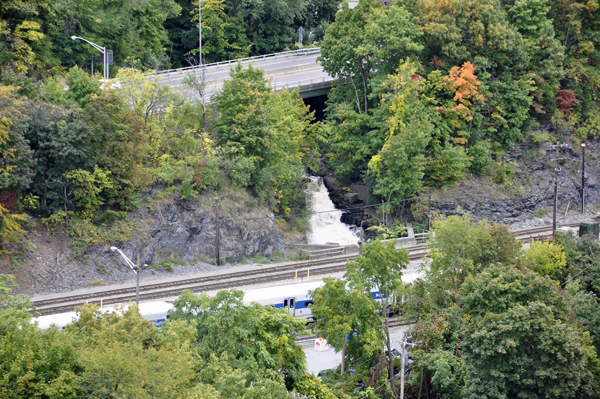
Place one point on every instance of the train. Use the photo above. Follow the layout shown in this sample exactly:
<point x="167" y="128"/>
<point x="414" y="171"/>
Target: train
<point x="157" y="312"/>
<point x="293" y="297"/>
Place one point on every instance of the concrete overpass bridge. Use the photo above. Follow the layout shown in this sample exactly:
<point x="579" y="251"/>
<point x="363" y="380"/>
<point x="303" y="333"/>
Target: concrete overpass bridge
<point x="287" y="70"/>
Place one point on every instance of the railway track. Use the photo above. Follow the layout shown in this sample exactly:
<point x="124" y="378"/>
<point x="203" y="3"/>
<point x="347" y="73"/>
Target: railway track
<point x="231" y="280"/>
<point x="539" y="230"/>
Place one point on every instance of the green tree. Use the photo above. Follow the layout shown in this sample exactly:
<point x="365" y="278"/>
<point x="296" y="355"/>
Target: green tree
<point x="146" y="94"/>
<point x="124" y="355"/>
<point x="585" y="305"/>
<point x="481" y="159"/>
<point x="22" y="45"/>
<point x="38" y="363"/>
<point x="449" y="167"/>
<point x="460" y="248"/>
<point x="15" y="156"/>
<point x="436" y="358"/>
<point x="452" y="243"/>
<point x="546" y="53"/>
<point x="364" y="40"/>
<point x="14" y="308"/>
<point x="132" y="29"/>
<point x="577" y="28"/>
<point x="399" y="165"/>
<point x="118" y="145"/>
<point x="81" y="86"/>
<point x="88" y="188"/>
<point x="219" y="377"/>
<point x="60" y="142"/>
<point x="263" y="135"/>
<point x="15" y="163"/>
<point x="345" y="319"/>
<point x="223" y="37"/>
<point x="517" y="339"/>
<point x="583" y="255"/>
<point x="351" y="141"/>
<point x="379" y="268"/>
<point x="270" y="25"/>
<point x="495" y="244"/>
<point x="35" y="362"/>
<point x="546" y="258"/>
<point x="259" y="338"/>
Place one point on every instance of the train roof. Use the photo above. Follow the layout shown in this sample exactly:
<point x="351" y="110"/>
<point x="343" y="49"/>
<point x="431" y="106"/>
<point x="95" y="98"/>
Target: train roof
<point x="276" y="293"/>
<point x="148" y="310"/>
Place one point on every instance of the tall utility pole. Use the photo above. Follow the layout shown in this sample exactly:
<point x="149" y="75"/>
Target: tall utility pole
<point x="137" y="281"/>
<point x="429" y="213"/>
<point x="217" y="234"/>
<point x="583" y="178"/>
<point x="200" y="29"/>
<point x="556" y="170"/>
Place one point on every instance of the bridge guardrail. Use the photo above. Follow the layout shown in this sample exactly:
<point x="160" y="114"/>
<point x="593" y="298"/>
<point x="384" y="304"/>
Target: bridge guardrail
<point x="308" y="51"/>
<point x="302" y="82"/>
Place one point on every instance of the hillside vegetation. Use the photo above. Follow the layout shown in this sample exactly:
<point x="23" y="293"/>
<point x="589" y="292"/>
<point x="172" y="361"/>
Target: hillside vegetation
<point x="428" y="93"/>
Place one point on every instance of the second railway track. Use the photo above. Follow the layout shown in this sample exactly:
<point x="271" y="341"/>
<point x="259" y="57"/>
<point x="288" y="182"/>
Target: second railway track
<point x="230" y="280"/>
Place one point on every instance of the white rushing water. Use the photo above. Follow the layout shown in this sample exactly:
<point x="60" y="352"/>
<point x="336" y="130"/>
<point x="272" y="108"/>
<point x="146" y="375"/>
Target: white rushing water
<point x="328" y="227"/>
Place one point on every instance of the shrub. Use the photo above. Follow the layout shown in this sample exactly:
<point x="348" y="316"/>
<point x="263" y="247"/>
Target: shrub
<point x="448" y="167"/>
<point x="386" y="233"/>
<point x="590" y="130"/>
<point x="98" y="283"/>
<point x="540" y="138"/>
<point x="503" y="174"/>
<point x="481" y="159"/>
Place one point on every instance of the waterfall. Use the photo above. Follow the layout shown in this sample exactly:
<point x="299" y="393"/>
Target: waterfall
<point x="327" y="227"/>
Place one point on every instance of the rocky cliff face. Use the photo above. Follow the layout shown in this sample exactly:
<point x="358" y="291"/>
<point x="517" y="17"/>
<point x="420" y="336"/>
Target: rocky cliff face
<point x="529" y="191"/>
<point x="172" y="236"/>
<point x="186" y="230"/>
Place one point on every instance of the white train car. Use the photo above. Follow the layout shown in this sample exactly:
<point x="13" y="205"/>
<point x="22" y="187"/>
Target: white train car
<point x="157" y="312"/>
<point x="293" y="297"/>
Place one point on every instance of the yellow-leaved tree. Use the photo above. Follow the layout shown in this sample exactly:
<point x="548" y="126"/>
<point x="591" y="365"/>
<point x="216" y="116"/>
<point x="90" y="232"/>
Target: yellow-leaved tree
<point x="10" y="108"/>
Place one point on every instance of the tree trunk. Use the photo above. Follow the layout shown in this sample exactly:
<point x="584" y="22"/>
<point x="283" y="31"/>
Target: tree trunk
<point x="343" y="356"/>
<point x="356" y="92"/>
<point x="364" y="77"/>
<point x="421" y="384"/>
<point x="66" y="214"/>
<point x="455" y="288"/>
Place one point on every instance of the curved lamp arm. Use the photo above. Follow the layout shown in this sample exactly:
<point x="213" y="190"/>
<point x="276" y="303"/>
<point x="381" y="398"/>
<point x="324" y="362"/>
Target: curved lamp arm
<point x="127" y="260"/>
<point x="101" y="49"/>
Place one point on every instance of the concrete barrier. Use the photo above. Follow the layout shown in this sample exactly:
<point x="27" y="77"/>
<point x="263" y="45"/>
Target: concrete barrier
<point x="328" y="250"/>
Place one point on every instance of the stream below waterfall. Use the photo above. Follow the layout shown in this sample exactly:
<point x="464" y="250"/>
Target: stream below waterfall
<point x="325" y="223"/>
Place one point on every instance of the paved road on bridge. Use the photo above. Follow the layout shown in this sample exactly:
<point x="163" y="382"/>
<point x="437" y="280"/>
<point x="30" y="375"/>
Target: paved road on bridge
<point x="289" y="70"/>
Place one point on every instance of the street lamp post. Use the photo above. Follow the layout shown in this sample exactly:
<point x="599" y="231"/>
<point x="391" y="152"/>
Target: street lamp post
<point x="136" y="269"/>
<point x="99" y="48"/>
<point x="583" y="178"/>
<point x="404" y="343"/>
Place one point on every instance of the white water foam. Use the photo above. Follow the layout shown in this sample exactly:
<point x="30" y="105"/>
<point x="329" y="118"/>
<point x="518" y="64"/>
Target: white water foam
<point x="327" y="227"/>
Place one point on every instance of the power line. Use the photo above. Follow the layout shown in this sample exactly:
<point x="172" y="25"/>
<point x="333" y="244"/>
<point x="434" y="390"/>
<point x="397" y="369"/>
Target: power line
<point x="441" y="196"/>
<point x="164" y="226"/>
